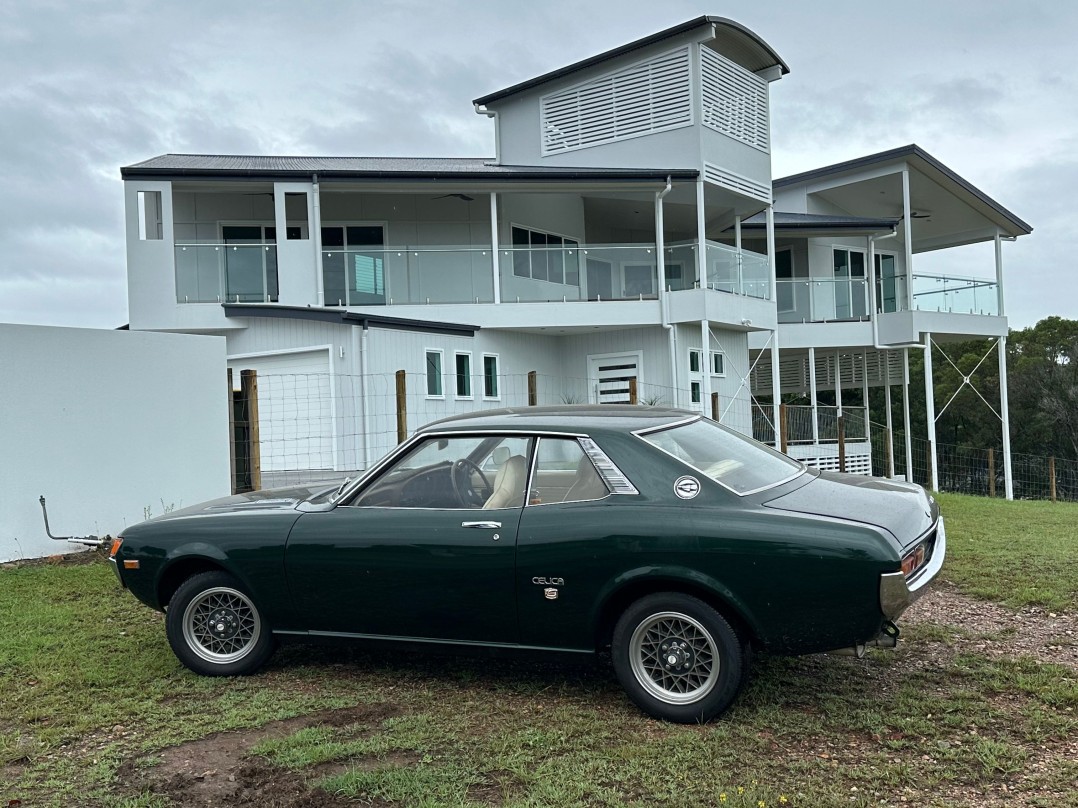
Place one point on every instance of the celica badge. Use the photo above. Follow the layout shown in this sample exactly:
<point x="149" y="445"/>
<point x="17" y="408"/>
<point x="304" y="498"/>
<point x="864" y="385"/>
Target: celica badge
<point x="686" y="487"/>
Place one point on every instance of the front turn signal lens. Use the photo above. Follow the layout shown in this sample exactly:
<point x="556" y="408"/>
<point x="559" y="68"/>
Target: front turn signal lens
<point x="115" y="548"/>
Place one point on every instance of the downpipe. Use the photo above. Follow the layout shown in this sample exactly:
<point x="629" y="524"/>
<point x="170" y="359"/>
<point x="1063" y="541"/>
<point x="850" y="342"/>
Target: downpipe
<point x="87" y="541"/>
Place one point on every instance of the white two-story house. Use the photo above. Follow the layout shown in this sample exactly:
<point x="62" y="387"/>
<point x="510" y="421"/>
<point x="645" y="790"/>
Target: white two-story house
<point x="626" y="228"/>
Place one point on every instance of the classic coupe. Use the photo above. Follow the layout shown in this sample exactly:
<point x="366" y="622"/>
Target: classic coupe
<point x="673" y="542"/>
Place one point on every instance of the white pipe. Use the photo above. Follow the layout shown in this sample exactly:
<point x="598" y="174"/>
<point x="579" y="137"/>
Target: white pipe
<point x="907" y="229"/>
<point x="705" y="365"/>
<point x="812" y="397"/>
<point x="316" y="237"/>
<point x="490" y="113"/>
<point x="871" y="275"/>
<point x="701" y="236"/>
<point x="664" y="299"/>
<point x="999" y="275"/>
<point x="365" y="415"/>
<point x="776" y="380"/>
<point x="886" y="357"/>
<point x="494" y="246"/>
<point x="838" y="384"/>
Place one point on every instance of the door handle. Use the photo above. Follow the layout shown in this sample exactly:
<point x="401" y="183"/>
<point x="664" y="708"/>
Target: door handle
<point x="486" y="525"/>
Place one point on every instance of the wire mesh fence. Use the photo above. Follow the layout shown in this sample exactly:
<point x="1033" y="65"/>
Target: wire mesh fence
<point x="976" y="471"/>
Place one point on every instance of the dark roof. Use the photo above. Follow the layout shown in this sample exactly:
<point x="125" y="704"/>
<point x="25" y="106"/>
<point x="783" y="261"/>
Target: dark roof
<point x="819" y="221"/>
<point x="922" y="159"/>
<point x="566" y="418"/>
<point x="751" y="44"/>
<point x="209" y="166"/>
<point x="345" y="317"/>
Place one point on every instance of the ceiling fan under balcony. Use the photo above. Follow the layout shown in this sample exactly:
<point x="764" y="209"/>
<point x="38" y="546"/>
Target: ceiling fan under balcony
<point x="462" y="197"/>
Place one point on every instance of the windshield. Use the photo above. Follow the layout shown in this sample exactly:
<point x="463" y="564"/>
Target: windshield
<point x="725" y="456"/>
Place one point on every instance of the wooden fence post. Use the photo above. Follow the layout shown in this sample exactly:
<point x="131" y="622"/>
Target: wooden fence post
<point x="1052" y="477"/>
<point x="231" y="433"/>
<point x="991" y="472"/>
<point x="632" y="391"/>
<point x="784" y="425"/>
<point x="533" y="388"/>
<point x="249" y="385"/>
<point x="402" y="406"/>
<point x="714" y="406"/>
<point x="842" y="444"/>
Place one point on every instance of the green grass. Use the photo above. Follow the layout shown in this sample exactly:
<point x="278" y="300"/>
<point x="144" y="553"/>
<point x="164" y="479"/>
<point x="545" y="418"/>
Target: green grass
<point x="92" y="695"/>
<point x="1017" y="553"/>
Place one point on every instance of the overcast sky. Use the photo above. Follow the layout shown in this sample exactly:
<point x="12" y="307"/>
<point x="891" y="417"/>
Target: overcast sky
<point x="986" y="87"/>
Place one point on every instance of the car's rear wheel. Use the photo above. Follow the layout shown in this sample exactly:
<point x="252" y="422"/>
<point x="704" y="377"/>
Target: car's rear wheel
<point x="215" y="628"/>
<point x="677" y="658"/>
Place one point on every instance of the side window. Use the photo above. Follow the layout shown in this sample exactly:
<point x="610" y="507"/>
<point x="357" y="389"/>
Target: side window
<point x="563" y="473"/>
<point x="456" y="472"/>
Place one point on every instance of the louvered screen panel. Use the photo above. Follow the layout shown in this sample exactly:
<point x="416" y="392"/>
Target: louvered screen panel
<point x="735" y="100"/>
<point x="650" y="97"/>
<point x="736" y="182"/>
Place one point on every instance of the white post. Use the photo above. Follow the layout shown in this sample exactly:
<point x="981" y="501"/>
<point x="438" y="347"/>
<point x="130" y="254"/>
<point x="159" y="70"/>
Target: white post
<point x="812" y="397"/>
<point x="776" y="381"/>
<point x="701" y="237"/>
<point x="494" y="246"/>
<point x="886" y="357"/>
<point x="906" y="413"/>
<point x="999" y="274"/>
<point x="930" y="413"/>
<point x="316" y="236"/>
<point x="864" y="396"/>
<point x="1005" y="411"/>
<point x="907" y="235"/>
<point x="737" y="233"/>
<point x="705" y="366"/>
<point x="660" y="244"/>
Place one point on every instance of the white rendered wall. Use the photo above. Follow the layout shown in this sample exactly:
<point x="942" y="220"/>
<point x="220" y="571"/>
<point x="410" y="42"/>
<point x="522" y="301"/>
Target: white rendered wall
<point x="106" y="425"/>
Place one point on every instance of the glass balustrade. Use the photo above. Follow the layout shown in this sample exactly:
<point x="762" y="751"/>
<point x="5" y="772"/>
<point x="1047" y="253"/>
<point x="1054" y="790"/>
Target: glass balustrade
<point x="954" y="293"/>
<point x="367" y="276"/>
<point x="817" y="300"/>
<point x="377" y="276"/>
<point x="236" y="273"/>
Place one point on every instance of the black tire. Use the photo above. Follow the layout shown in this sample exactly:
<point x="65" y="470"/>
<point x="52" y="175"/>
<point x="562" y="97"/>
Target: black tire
<point x="704" y="666"/>
<point x="215" y="628"/>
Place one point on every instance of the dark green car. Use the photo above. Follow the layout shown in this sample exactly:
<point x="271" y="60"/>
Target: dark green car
<point x="674" y="542"/>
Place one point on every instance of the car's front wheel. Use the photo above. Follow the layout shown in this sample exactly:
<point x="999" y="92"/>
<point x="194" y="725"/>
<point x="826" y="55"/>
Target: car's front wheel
<point x="677" y="658"/>
<point x="215" y="628"/>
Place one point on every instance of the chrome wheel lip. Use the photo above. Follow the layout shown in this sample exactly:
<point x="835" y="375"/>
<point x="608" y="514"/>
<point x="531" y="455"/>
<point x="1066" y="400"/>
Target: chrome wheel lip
<point x="197" y="632"/>
<point x="645" y="644"/>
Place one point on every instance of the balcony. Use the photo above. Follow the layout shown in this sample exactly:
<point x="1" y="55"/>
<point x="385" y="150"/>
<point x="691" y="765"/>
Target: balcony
<point x="386" y="276"/>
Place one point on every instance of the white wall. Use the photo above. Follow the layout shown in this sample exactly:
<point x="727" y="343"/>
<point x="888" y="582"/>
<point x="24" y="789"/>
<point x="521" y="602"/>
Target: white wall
<point x="105" y="424"/>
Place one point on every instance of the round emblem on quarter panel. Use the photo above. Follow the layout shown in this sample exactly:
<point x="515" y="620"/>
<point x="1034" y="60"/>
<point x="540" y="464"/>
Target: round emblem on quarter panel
<point x="686" y="487"/>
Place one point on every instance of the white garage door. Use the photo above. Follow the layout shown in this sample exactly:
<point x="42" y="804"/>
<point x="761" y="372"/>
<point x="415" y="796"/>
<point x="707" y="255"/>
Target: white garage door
<point x="295" y="409"/>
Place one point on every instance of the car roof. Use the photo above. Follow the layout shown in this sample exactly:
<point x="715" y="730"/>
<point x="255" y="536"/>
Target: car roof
<point x="572" y="418"/>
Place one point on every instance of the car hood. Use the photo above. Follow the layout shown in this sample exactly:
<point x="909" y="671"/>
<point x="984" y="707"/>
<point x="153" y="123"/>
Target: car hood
<point x="903" y="509"/>
<point x="270" y="499"/>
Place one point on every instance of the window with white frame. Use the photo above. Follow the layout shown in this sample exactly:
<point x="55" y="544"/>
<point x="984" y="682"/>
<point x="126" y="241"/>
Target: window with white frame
<point x="462" y="368"/>
<point x="434" y="374"/>
<point x="490" y="376"/>
<point x="718" y="363"/>
<point x="696" y="372"/>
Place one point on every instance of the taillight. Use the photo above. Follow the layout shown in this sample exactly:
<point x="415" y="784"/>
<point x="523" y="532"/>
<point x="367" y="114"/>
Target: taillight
<point x="913" y="560"/>
<point x="115" y="548"/>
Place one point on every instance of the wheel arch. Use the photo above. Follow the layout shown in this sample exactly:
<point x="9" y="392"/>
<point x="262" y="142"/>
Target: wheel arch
<point x="632" y="587"/>
<point x="180" y="569"/>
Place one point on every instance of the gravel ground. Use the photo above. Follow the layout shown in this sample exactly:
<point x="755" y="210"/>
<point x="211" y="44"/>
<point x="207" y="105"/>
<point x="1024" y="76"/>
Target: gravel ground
<point x="997" y="631"/>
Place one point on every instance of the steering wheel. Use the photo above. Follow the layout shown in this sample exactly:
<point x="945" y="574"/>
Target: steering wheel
<point x="461" y="476"/>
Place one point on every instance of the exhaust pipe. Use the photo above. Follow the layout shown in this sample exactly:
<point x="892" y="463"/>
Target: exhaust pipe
<point x="887" y="638"/>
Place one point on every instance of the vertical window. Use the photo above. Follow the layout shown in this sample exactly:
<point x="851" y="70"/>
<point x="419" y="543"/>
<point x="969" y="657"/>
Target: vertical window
<point x="434" y="374"/>
<point x="718" y="363"/>
<point x="694" y="361"/>
<point x="463" y="368"/>
<point x="490" y="376"/>
<point x="149" y="216"/>
<point x="694" y="390"/>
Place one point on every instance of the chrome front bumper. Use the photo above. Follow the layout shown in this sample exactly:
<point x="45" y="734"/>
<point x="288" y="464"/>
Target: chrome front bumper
<point x="896" y="593"/>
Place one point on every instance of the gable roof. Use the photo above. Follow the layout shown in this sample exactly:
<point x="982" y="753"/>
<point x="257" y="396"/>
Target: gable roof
<point x="753" y="49"/>
<point x="208" y="166"/>
<point x="923" y="162"/>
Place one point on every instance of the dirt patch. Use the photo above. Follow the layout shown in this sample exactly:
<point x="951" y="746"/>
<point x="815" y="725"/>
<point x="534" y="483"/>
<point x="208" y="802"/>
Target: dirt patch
<point x="997" y="631"/>
<point x="216" y="770"/>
